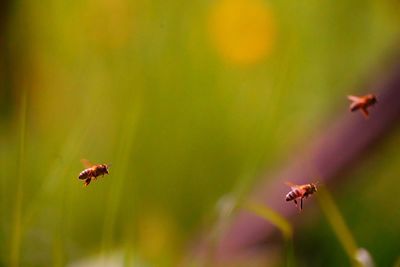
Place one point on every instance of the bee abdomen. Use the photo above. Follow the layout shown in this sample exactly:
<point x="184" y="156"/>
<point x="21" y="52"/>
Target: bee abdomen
<point x="84" y="174"/>
<point x="292" y="195"/>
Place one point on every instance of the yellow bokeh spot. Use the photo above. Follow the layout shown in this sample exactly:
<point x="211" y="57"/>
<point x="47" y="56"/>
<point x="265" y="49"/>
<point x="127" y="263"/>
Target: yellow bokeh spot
<point x="243" y="31"/>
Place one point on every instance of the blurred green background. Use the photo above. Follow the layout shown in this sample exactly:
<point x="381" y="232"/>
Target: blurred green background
<point x="188" y="100"/>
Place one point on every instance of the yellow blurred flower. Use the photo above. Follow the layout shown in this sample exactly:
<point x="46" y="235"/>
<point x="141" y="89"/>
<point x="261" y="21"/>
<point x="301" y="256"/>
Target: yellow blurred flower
<point x="243" y="31"/>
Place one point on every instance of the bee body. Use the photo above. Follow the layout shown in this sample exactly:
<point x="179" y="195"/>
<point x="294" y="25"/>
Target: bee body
<point x="293" y="194"/>
<point x="362" y="103"/>
<point x="93" y="172"/>
<point x="300" y="192"/>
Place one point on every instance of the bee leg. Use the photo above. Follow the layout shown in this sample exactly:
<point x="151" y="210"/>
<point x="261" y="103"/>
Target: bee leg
<point x="364" y="112"/>
<point x="87" y="182"/>
<point x="301" y="203"/>
<point x="295" y="202"/>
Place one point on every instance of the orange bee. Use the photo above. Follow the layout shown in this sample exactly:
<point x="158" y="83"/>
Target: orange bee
<point x="92" y="171"/>
<point x="300" y="191"/>
<point x="362" y="103"/>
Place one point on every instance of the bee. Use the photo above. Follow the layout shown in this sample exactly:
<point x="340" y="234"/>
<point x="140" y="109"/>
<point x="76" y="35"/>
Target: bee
<point x="92" y="171"/>
<point x="362" y="103"/>
<point x="300" y="191"/>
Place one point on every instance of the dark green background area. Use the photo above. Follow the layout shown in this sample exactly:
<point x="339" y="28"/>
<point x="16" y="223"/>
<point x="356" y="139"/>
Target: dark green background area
<point x="140" y="85"/>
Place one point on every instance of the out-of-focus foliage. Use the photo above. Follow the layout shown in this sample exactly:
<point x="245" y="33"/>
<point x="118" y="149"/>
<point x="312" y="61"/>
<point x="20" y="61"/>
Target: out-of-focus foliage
<point x="369" y="204"/>
<point x="188" y="100"/>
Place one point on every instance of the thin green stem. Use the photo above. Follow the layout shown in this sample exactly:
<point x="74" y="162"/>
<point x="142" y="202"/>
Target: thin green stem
<point x="114" y="196"/>
<point x="273" y="217"/>
<point x="281" y="223"/>
<point x="17" y="211"/>
<point x="337" y="223"/>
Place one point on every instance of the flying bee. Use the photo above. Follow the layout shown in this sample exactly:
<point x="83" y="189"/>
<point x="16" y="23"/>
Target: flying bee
<point x="362" y="103"/>
<point x="300" y="192"/>
<point x="92" y="171"/>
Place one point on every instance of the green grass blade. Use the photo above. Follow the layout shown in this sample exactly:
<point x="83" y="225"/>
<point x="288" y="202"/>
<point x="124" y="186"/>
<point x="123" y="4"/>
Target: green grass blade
<point x="273" y="217"/>
<point x="339" y="227"/>
<point x="17" y="210"/>
<point x="281" y="223"/>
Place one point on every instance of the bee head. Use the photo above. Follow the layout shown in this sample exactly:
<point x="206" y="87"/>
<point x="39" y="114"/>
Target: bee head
<point x="313" y="187"/>
<point x="371" y="98"/>
<point x="105" y="167"/>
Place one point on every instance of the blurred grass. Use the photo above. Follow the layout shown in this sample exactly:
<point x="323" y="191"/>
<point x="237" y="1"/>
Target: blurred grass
<point x="122" y="170"/>
<point x="273" y="217"/>
<point x="143" y="86"/>
<point x="15" y="245"/>
<point x="357" y="256"/>
<point x="365" y="200"/>
<point x="338" y="224"/>
<point x="282" y="224"/>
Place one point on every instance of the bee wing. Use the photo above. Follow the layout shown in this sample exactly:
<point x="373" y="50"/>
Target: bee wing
<point x="86" y="163"/>
<point x="300" y="188"/>
<point x="292" y="185"/>
<point x="354" y="106"/>
<point x="353" y="98"/>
